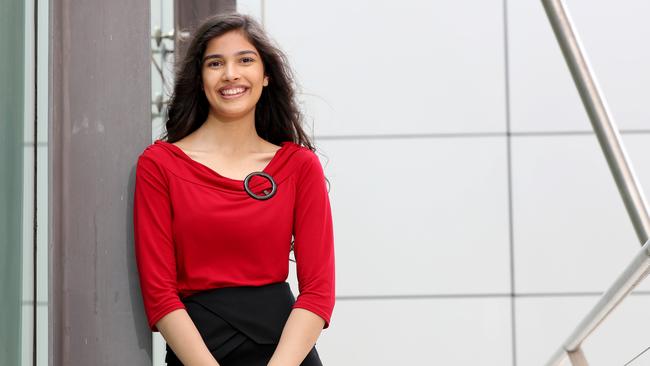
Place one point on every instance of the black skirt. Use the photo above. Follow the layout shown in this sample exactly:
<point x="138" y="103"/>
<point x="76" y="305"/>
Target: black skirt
<point x="242" y="325"/>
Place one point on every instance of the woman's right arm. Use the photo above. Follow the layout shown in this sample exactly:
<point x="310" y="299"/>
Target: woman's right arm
<point x="156" y="260"/>
<point x="184" y="339"/>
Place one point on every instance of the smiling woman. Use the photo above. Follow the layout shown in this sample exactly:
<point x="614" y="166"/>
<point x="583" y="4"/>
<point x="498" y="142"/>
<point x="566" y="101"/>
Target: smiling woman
<point x="277" y="117"/>
<point x="232" y="76"/>
<point x="212" y="250"/>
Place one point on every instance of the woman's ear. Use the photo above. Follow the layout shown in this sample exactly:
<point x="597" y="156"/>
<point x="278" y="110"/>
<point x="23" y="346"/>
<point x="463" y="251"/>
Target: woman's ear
<point x="266" y="81"/>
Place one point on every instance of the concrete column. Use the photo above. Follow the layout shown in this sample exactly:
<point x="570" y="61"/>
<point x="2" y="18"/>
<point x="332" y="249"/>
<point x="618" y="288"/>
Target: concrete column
<point x="99" y="123"/>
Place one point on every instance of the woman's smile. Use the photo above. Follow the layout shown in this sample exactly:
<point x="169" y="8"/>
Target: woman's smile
<point x="233" y="91"/>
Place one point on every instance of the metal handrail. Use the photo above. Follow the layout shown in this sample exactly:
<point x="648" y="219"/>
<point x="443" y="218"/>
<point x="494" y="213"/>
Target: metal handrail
<point x="633" y="274"/>
<point x="608" y="136"/>
<point x="628" y="186"/>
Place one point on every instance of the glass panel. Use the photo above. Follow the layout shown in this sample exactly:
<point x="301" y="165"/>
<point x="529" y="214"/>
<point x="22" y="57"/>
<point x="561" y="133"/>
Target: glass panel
<point x="12" y="61"/>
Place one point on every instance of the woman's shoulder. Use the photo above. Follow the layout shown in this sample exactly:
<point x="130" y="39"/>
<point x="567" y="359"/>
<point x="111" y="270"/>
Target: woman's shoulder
<point x="301" y="157"/>
<point x="156" y="154"/>
<point x="156" y="151"/>
<point x="305" y="160"/>
<point x="300" y="152"/>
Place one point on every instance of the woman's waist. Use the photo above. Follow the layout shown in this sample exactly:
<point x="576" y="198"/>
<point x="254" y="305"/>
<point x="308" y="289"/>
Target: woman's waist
<point x="192" y="286"/>
<point x="231" y="289"/>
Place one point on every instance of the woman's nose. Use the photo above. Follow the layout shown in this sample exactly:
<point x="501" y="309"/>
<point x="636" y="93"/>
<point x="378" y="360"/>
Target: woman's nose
<point x="231" y="72"/>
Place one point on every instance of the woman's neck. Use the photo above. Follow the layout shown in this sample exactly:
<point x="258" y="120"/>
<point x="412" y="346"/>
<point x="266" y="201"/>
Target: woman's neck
<point x="229" y="136"/>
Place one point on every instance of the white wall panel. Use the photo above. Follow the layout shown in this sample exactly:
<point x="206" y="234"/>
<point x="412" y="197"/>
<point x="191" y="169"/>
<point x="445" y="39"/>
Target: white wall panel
<point x="251" y="7"/>
<point x="386" y="67"/>
<point x="543" y="95"/>
<point x="418" y="332"/>
<point x="419" y="216"/>
<point x="571" y="229"/>
<point x="543" y="324"/>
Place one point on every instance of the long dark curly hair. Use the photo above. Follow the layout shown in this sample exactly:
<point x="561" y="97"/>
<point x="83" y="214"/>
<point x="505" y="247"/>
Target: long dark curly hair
<point x="277" y="116"/>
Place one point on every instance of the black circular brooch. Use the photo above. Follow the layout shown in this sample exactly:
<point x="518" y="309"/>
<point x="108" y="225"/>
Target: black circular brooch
<point x="274" y="186"/>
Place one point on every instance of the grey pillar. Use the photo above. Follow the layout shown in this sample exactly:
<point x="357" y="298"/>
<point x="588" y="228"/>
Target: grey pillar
<point x="189" y="13"/>
<point x="99" y="123"/>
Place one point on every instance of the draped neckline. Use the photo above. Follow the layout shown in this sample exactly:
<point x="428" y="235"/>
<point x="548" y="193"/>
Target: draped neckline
<point x="238" y="184"/>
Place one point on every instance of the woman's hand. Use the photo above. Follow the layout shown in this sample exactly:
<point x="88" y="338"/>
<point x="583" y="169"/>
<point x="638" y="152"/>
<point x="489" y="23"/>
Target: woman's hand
<point x="298" y="337"/>
<point x="184" y="339"/>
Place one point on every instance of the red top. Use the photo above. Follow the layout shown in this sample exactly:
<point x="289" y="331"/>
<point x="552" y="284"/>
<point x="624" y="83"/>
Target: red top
<point x="196" y="229"/>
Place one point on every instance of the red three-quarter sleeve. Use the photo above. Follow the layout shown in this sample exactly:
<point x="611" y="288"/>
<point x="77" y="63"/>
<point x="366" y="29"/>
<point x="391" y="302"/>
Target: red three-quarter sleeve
<point x="154" y="246"/>
<point x="314" y="241"/>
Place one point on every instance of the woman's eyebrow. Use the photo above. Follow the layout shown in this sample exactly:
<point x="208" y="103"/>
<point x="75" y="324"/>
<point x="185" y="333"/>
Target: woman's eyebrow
<point x="216" y="55"/>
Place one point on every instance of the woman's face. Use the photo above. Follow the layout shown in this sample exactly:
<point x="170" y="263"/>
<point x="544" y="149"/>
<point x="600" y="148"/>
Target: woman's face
<point x="233" y="75"/>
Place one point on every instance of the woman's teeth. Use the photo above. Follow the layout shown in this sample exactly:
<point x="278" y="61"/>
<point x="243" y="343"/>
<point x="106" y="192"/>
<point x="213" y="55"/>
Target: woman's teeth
<point x="233" y="91"/>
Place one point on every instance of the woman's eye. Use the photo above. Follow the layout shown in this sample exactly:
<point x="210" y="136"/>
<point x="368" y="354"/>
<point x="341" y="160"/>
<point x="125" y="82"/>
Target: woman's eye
<point x="247" y="60"/>
<point x="214" y="63"/>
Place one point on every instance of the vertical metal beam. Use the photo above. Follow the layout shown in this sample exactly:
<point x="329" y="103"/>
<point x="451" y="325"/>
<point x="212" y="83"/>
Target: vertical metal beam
<point x="603" y="124"/>
<point x="189" y="13"/>
<point x="100" y="121"/>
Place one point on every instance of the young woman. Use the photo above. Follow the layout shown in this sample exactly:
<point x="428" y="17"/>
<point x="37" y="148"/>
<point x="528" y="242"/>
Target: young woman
<point x="217" y="202"/>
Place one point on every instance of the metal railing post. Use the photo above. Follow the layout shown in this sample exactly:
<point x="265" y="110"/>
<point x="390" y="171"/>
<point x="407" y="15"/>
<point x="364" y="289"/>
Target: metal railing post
<point x="608" y="136"/>
<point x="628" y="186"/>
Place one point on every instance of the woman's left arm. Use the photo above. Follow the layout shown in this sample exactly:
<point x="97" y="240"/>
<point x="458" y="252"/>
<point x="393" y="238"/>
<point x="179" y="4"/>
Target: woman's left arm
<point x="298" y="338"/>
<point x="315" y="268"/>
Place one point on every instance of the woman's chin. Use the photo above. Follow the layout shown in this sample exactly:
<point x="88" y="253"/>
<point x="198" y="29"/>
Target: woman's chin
<point x="233" y="113"/>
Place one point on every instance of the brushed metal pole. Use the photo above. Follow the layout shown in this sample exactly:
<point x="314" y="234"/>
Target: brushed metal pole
<point x="601" y="120"/>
